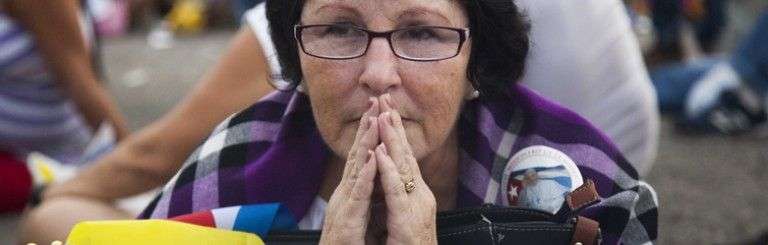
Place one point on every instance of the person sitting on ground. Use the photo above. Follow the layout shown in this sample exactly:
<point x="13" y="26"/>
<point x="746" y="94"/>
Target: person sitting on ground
<point x="51" y="100"/>
<point x="727" y="95"/>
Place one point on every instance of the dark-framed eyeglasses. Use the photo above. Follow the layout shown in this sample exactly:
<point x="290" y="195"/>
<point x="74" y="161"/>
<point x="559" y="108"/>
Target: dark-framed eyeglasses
<point x="418" y="43"/>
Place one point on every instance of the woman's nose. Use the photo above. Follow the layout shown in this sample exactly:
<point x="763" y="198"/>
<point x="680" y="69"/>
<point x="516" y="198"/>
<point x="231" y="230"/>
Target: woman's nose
<point x="380" y="71"/>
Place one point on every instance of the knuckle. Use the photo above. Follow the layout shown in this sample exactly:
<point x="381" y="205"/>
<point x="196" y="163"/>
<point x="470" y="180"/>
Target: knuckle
<point x="429" y="201"/>
<point x="407" y="150"/>
<point x="395" y="188"/>
<point x="405" y="171"/>
<point x="431" y="204"/>
<point x="358" y="196"/>
<point x="410" y="158"/>
<point x="350" y="182"/>
<point x="404" y="209"/>
<point x="351" y="154"/>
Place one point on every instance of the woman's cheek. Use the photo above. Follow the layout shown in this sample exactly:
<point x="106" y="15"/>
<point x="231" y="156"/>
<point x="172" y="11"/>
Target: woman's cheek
<point x="336" y="132"/>
<point x="442" y="106"/>
<point x="439" y="111"/>
<point x="332" y="90"/>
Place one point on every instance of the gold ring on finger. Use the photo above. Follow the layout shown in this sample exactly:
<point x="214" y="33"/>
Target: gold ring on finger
<point x="410" y="185"/>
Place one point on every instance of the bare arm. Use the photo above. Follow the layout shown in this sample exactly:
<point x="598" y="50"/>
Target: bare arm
<point x="151" y="156"/>
<point x="54" y="24"/>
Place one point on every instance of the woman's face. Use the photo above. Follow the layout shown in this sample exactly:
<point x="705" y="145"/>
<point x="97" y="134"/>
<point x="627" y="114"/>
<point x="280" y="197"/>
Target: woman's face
<point x="428" y="95"/>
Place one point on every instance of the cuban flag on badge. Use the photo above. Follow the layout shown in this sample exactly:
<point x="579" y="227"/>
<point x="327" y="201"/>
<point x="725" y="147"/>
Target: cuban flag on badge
<point x="539" y="177"/>
<point x="257" y="218"/>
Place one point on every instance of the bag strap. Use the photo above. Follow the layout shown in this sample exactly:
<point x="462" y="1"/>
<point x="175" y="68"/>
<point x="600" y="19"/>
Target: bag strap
<point x="582" y="197"/>
<point x="586" y="232"/>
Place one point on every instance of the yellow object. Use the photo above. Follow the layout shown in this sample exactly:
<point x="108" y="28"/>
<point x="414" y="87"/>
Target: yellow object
<point x="47" y="173"/>
<point x="154" y="232"/>
<point x="187" y="15"/>
<point x="42" y="168"/>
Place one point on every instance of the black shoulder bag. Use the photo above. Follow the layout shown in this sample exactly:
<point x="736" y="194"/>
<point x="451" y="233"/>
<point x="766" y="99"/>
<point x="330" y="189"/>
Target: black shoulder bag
<point x="489" y="224"/>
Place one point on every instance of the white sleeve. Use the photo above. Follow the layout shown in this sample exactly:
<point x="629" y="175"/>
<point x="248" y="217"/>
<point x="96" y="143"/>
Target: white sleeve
<point x="585" y="56"/>
<point x="256" y="19"/>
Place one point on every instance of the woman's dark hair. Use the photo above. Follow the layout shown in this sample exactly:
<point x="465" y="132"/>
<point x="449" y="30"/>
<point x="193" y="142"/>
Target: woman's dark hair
<point x="498" y="31"/>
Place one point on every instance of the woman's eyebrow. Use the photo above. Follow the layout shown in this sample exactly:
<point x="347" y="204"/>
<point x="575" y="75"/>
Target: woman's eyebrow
<point x="335" y="8"/>
<point x="422" y="12"/>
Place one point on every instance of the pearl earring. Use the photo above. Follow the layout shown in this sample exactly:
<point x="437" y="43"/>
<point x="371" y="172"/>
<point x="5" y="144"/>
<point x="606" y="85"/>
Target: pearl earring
<point x="474" y="95"/>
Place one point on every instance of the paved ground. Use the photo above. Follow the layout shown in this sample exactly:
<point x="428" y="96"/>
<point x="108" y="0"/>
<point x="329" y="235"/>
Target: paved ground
<point x="712" y="189"/>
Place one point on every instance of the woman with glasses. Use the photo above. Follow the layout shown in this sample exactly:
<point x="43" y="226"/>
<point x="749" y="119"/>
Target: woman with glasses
<point x="395" y="110"/>
<point x="555" y="68"/>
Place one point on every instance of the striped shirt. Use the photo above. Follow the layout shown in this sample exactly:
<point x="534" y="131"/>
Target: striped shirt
<point x="35" y="114"/>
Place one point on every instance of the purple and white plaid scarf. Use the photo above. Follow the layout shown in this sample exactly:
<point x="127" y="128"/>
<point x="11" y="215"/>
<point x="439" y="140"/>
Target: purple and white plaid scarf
<point x="273" y="152"/>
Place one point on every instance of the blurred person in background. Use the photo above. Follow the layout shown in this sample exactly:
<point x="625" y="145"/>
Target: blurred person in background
<point x="706" y="18"/>
<point x="240" y="7"/>
<point x="149" y="157"/>
<point x="720" y="94"/>
<point x="51" y="100"/>
<point x="594" y="55"/>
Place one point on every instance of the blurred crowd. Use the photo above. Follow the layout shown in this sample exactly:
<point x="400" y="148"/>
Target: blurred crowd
<point x="61" y="134"/>
<point x="706" y="87"/>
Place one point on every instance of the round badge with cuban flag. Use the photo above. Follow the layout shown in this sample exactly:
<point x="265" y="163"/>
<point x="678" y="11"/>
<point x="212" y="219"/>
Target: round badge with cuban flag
<point x="539" y="177"/>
